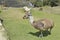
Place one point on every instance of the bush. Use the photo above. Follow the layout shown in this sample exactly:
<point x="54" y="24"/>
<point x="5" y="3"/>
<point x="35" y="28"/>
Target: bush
<point x="38" y="4"/>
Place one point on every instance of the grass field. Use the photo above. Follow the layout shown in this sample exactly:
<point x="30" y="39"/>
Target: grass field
<point x="20" y="29"/>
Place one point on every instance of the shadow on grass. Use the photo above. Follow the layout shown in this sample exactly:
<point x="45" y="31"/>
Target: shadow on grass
<point x="45" y="33"/>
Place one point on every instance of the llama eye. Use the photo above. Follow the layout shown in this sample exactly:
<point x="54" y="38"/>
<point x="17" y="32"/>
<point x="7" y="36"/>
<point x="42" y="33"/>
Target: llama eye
<point x="28" y="15"/>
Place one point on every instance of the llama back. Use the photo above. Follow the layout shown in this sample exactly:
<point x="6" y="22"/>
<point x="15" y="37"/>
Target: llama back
<point x="47" y="23"/>
<point x="43" y="24"/>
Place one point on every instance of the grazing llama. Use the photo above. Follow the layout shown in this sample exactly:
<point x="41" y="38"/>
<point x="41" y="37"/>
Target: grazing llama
<point x="41" y="25"/>
<point x="3" y="33"/>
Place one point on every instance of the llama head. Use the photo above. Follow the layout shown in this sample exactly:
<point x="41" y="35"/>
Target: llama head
<point x="27" y="14"/>
<point x="25" y="17"/>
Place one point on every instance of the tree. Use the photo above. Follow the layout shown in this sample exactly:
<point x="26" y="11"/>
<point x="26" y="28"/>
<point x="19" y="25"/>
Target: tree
<point x="54" y="3"/>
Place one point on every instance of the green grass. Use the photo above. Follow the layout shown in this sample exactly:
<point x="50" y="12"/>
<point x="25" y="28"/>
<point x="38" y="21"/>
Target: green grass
<point x="19" y="28"/>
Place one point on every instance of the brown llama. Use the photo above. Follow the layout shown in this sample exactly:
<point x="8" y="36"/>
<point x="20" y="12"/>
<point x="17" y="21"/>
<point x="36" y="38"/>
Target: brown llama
<point x="41" y="25"/>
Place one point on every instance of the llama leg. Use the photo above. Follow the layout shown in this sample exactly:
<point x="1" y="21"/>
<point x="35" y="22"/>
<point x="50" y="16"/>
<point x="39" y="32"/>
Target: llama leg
<point x="41" y="35"/>
<point x="50" y="30"/>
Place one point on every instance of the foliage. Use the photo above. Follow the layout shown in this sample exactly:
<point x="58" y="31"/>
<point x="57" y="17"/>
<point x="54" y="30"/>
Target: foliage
<point x="36" y="3"/>
<point x="46" y="2"/>
<point x="54" y="3"/>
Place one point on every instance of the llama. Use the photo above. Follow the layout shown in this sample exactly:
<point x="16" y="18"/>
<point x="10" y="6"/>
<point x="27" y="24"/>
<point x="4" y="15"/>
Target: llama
<point x="42" y="24"/>
<point x="3" y="33"/>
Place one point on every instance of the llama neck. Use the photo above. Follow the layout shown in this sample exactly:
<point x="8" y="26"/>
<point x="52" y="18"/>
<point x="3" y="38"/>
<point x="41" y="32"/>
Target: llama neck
<point x="31" y="19"/>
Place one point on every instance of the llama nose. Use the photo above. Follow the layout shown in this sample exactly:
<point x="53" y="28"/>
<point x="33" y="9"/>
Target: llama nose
<point x="24" y="17"/>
